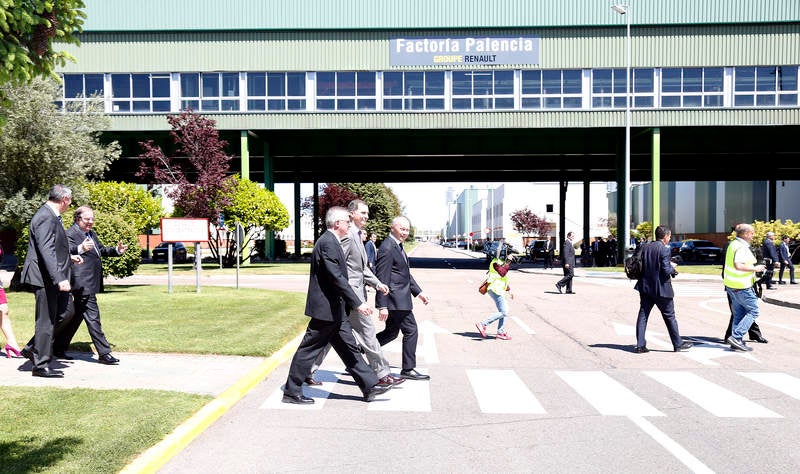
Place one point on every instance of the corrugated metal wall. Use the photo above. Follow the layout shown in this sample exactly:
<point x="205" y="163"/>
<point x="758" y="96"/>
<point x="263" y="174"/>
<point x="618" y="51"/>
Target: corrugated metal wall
<point x="154" y="15"/>
<point x="775" y="44"/>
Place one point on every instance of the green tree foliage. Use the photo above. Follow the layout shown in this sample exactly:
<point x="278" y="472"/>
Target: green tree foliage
<point x="644" y="231"/>
<point x="779" y="227"/>
<point x="40" y="146"/>
<point x="383" y="204"/>
<point x="256" y="209"/>
<point x="133" y="203"/>
<point x="28" y="29"/>
<point x="111" y="228"/>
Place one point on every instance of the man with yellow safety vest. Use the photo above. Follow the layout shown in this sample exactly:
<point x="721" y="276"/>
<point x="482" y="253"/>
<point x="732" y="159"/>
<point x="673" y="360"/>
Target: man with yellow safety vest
<point x="739" y="275"/>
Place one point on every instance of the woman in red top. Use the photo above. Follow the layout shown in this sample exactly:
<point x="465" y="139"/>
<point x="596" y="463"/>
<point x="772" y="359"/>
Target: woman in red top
<point x="12" y="348"/>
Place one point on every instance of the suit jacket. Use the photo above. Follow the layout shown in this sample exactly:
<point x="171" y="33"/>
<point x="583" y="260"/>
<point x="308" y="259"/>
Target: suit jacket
<point x="783" y="252"/>
<point x="769" y="250"/>
<point x="392" y="269"/>
<point x="329" y="293"/>
<point x="568" y="254"/>
<point x="358" y="274"/>
<point x="47" y="261"/>
<point x="657" y="271"/>
<point x="87" y="278"/>
<point x="372" y="253"/>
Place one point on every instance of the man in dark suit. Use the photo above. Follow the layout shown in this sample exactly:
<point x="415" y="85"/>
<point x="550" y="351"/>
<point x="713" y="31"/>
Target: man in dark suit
<point x="549" y="251"/>
<point x="655" y="289"/>
<point x="47" y="270"/>
<point x="329" y="297"/>
<point x="396" y="307"/>
<point x="568" y="264"/>
<point x="372" y="251"/>
<point x="770" y="252"/>
<point x="87" y="281"/>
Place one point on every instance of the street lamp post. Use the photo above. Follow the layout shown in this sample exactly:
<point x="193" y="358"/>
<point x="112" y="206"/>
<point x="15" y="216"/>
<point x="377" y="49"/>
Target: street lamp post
<point x="626" y="225"/>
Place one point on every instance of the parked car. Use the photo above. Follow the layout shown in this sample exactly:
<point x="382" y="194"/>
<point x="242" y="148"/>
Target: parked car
<point x="700" y="250"/>
<point x="179" y="252"/>
<point x="675" y="249"/>
<point x="535" y="250"/>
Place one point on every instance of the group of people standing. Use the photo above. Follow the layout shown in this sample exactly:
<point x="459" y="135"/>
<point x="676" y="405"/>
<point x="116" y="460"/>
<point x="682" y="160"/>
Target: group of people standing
<point x="63" y="270"/>
<point x="340" y="314"/>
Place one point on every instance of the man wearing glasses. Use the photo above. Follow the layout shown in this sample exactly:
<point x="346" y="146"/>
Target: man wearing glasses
<point x="87" y="281"/>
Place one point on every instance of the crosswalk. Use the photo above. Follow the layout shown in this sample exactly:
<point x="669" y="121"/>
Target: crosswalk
<point x="504" y="391"/>
<point x="681" y="289"/>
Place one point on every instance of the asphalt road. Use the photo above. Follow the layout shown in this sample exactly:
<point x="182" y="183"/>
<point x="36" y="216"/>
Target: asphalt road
<point x="566" y="394"/>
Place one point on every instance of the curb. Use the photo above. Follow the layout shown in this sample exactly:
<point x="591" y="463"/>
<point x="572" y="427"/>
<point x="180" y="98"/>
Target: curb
<point x="155" y="457"/>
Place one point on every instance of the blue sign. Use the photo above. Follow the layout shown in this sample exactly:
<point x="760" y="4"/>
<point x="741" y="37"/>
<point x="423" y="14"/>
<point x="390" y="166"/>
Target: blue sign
<point x="464" y="51"/>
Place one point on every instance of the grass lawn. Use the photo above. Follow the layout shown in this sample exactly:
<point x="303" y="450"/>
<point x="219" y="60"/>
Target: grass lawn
<point x="84" y="430"/>
<point x="685" y="269"/>
<point x="287" y="268"/>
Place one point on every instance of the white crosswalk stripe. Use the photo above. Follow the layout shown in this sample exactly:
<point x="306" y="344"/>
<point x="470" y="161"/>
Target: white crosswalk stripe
<point x="503" y="391"/>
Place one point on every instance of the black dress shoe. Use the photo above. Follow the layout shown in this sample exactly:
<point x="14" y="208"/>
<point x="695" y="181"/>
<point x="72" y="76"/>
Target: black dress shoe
<point x="570" y="292"/>
<point x="297" y="399"/>
<point x="558" y="287"/>
<point x="375" y="391"/>
<point x="641" y="350"/>
<point x="108" y="359"/>
<point x="26" y="354"/>
<point x="62" y="355"/>
<point x="792" y="282"/>
<point x="760" y="339"/>
<point x="312" y="381"/>
<point x="686" y="345"/>
<point x="46" y="372"/>
<point x="413" y="375"/>
<point x="781" y="282"/>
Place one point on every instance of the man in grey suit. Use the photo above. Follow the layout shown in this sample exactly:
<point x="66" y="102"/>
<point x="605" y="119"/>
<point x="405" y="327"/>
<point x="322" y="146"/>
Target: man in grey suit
<point x="47" y="270"/>
<point x="359" y="276"/>
<point x="568" y="264"/>
<point x="86" y="283"/>
<point x="329" y="297"/>
<point x="655" y="289"/>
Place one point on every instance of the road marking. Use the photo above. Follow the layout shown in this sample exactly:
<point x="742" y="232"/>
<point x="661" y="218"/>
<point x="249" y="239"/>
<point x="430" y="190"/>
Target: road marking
<point x="783" y="383"/>
<point x="319" y="393"/>
<point x="670" y="445"/>
<point x="502" y="391"/>
<point x="606" y="395"/>
<point x="522" y="325"/>
<point x="710" y="396"/>
<point x="411" y="395"/>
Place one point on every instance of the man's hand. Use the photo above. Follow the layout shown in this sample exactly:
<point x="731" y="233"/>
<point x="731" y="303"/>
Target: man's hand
<point x="64" y="286"/>
<point x="121" y="247"/>
<point x="383" y="313"/>
<point x="87" y="245"/>
<point x="424" y="298"/>
<point x="364" y="309"/>
<point x="566" y="265"/>
<point x="76" y="259"/>
<point x="382" y="288"/>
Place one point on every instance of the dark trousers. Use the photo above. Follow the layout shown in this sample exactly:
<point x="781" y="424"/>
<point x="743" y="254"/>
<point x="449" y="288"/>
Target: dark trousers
<point x="548" y="260"/>
<point x="784" y="266"/>
<point x="566" y="282"/>
<point x="54" y="309"/>
<point x="754" y="333"/>
<point x="667" y="308"/>
<point x="86" y="309"/>
<point x="339" y="334"/>
<point x="402" y="321"/>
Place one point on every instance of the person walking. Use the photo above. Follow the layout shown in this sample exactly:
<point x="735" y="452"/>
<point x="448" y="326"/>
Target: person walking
<point x="396" y="308"/>
<point x="655" y="289"/>
<point x="48" y="269"/>
<point x="87" y="281"/>
<point x="329" y="295"/>
<point x="498" y="289"/>
<point x="359" y="276"/>
<point x="12" y="346"/>
<point x="372" y="251"/>
<point x="549" y="253"/>
<point x="739" y="275"/>
<point x="771" y="253"/>
<point x="786" y="261"/>
<point x="568" y="264"/>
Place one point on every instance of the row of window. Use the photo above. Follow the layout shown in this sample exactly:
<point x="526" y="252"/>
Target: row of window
<point x="775" y="86"/>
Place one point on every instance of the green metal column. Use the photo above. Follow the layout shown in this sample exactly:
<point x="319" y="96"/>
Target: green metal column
<point x="269" y="183"/>
<point x="656" y="179"/>
<point x="244" y="149"/>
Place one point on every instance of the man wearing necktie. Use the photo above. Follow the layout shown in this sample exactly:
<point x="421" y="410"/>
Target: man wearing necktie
<point x="396" y="308"/>
<point x="87" y="281"/>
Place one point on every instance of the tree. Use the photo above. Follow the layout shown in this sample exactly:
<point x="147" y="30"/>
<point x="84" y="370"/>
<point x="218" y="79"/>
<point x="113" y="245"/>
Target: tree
<point x="256" y="209"/>
<point x="383" y="204"/>
<point x="644" y="231"/>
<point x="40" y="146"/>
<point x="526" y="222"/>
<point x="27" y="31"/>
<point x="198" y="141"/>
<point x="133" y="203"/>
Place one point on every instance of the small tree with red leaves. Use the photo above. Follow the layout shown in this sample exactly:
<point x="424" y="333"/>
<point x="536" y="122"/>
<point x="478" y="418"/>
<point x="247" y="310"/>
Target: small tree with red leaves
<point x="528" y="223"/>
<point x="200" y="155"/>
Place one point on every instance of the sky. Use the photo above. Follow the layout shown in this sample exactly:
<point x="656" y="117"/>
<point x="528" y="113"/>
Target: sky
<point x="425" y="204"/>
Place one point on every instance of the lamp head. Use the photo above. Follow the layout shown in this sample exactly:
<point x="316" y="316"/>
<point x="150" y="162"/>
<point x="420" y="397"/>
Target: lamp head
<point x="619" y="8"/>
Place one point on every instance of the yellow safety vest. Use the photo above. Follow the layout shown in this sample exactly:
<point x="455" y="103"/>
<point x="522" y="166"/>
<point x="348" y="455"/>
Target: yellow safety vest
<point x="733" y="278"/>
<point x="497" y="283"/>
